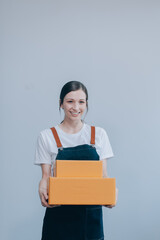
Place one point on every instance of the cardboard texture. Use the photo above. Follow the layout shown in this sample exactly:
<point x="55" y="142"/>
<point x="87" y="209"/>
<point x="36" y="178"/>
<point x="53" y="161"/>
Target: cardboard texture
<point x="78" y="182"/>
<point x="81" y="191"/>
<point x="73" y="168"/>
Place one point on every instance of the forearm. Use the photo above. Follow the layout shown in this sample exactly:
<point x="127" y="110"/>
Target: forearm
<point x="46" y="170"/>
<point x="105" y="175"/>
<point x="43" y="185"/>
<point x="104" y="161"/>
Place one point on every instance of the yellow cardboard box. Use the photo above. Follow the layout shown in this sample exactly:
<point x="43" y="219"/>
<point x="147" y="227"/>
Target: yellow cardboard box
<point x="78" y="168"/>
<point x="79" y="191"/>
<point x="78" y="182"/>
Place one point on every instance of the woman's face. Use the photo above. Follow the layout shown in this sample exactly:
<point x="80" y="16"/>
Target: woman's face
<point x="74" y="105"/>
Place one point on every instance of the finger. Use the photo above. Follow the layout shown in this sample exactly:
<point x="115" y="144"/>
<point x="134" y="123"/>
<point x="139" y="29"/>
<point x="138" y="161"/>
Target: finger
<point x="109" y="206"/>
<point x="43" y="201"/>
<point x="45" y="195"/>
<point x="54" y="206"/>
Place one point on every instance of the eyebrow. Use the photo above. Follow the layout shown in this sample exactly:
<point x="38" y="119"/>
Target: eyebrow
<point x="74" y="99"/>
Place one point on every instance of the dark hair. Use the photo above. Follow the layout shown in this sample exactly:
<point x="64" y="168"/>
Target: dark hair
<point x="72" y="86"/>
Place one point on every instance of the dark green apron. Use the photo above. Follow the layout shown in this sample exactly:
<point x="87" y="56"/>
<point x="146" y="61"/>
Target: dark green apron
<point x="74" y="222"/>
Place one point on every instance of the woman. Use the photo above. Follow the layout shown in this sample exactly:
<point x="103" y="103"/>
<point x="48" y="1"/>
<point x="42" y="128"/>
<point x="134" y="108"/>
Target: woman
<point x="71" y="222"/>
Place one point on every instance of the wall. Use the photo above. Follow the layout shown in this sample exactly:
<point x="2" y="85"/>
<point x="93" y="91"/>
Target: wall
<point x="113" y="48"/>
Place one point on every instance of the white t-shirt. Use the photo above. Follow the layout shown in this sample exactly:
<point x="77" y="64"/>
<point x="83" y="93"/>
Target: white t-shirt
<point x="46" y="148"/>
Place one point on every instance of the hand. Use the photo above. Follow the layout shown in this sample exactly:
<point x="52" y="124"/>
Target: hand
<point x="109" y="206"/>
<point x="43" y="193"/>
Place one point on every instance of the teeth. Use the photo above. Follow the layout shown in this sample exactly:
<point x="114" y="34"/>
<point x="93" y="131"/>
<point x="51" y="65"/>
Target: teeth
<point x="74" y="113"/>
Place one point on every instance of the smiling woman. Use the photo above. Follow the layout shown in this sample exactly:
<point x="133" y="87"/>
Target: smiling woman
<point x="74" y="106"/>
<point x="74" y="103"/>
<point x="71" y="139"/>
<point x="74" y="98"/>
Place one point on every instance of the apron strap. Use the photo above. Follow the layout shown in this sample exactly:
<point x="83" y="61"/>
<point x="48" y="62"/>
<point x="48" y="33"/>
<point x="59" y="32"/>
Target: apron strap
<point x="93" y="135"/>
<point x="59" y="144"/>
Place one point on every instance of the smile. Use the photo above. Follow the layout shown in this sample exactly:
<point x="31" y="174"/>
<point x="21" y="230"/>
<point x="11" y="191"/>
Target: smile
<point x="74" y="113"/>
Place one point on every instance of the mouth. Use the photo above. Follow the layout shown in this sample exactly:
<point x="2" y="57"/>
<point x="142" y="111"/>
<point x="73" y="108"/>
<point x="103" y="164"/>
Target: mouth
<point x="75" y="113"/>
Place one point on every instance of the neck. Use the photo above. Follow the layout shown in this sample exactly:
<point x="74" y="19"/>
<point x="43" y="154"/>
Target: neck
<point x="71" y="126"/>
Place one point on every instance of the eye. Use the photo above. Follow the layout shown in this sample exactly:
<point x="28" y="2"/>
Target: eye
<point x="82" y="102"/>
<point x="69" y="101"/>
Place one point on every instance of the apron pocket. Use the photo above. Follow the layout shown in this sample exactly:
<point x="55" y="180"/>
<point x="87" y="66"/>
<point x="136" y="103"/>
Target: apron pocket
<point x="94" y="223"/>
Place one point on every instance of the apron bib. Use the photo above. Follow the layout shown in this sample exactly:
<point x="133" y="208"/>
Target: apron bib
<point x="74" y="222"/>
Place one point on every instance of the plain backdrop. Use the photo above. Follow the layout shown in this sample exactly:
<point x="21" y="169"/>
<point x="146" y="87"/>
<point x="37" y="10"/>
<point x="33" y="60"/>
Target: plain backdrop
<point x="113" y="48"/>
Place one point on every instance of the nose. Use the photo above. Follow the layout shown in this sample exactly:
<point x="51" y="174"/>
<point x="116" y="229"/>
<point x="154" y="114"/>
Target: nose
<point x="76" y="106"/>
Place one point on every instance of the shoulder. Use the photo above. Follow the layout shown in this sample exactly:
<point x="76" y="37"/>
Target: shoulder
<point x="100" y="130"/>
<point x="45" y="133"/>
<point x="100" y="133"/>
<point x="46" y="140"/>
<point x="103" y="143"/>
<point x="45" y="136"/>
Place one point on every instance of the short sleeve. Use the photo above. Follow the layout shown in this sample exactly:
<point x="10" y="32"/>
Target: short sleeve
<point x="42" y="155"/>
<point x="106" y="149"/>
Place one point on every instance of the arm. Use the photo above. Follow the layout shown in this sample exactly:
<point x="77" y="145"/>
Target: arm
<point x="105" y="175"/>
<point x="43" y="157"/>
<point x="104" y="162"/>
<point x="43" y="185"/>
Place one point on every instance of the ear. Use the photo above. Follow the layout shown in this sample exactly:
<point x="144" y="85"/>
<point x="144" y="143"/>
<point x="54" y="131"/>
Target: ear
<point x="60" y="104"/>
